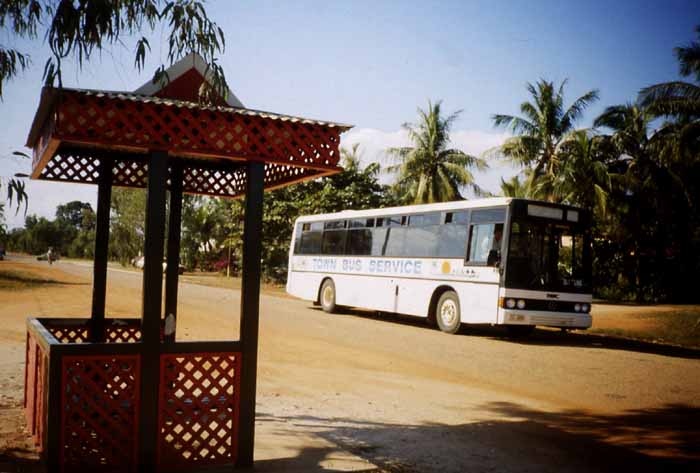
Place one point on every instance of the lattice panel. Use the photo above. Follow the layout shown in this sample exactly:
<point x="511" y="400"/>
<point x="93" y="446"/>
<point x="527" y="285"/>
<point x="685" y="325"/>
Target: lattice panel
<point x="99" y="417"/>
<point x="198" y="409"/>
<point x="72" y="167"/>
<point x="123" y="334"/>
<point x="185" y="128"/>
<point x="69" y="333"/>
<point x="224" y="180"/>
<point x="199" y="180"/>
<point x="129" y="173"/>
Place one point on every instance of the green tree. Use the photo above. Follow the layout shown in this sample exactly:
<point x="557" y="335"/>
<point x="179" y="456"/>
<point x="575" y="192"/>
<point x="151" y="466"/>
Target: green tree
<point x="545" y="123"/>
<point x="126" y="235"/>
<point x="678" y="97"/>
<point x="514" y="187"/>
<point x="73" y="213"/>
<point x="584" y="178"/>
<point x="79" y="29"/>
<point x="431" y="171"/>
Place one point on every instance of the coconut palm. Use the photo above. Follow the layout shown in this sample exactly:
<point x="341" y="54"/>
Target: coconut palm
<point x="431" y="171"/>
<point x="352" y="161"/>
<point x="514" y="187"/>
<point x="541" y="129"/>
<point x="584" y="178"/>
<point x="678" y="97"/>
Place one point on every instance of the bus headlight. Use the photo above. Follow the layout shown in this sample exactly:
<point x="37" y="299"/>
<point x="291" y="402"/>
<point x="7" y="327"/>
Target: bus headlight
<point x="510" y="303"/>
<point x="521" y="304"/>
<point x="585" y="308"/>
<point x="577" y="307"/>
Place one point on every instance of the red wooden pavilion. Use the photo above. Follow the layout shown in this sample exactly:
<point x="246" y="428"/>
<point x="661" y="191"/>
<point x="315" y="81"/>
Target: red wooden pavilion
<point x="124" y="394"/>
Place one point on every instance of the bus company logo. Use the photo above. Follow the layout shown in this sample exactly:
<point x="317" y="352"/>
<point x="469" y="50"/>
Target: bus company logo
<point x="446" y="268"/>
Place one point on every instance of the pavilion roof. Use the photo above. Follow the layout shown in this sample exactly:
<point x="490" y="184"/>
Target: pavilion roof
<point x="74" y="128"/>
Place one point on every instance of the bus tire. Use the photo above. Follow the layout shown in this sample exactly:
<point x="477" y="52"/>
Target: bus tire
<point x="516" y="331"/>
<point x="448" y="313"/>
<point x="326" y="296"/>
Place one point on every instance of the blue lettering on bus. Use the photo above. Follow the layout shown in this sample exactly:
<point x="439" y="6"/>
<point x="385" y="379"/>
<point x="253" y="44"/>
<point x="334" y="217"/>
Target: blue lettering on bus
<point x="375" y="266"/>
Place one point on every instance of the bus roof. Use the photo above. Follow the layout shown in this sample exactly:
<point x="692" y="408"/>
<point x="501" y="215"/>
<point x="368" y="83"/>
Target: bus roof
<point x="410" y="209"/>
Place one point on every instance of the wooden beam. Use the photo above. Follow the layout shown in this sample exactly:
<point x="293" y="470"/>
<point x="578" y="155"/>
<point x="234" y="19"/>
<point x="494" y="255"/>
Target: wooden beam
<point x="151" y="309"/>
<point x="99" y="276"/>
<point x="172" y="272"/>
<point x="250" y="301"/>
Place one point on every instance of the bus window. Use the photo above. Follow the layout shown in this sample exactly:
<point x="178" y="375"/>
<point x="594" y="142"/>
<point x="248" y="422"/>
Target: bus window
<point x="485" y="243"/>
<point x="337" y="224"/>
<point x="333" y="242"/>
<point x="310" y="243"/>
<point x="489" y="216"/>
<point x="395" y="245"/>
<point x="393" y="221"/>
<point x="361" y="223"/>
<point x="379" y="240"/>
<point x="422" y="236"/>
<point x="459" y="218"/>
<point x="453" y="241"/>
<point x="359" y="242"/>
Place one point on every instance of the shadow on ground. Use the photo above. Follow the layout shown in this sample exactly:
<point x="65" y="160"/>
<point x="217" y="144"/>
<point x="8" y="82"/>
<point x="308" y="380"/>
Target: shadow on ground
<point x="518" y="440"/>
<point x="514" y="438"/>
<point x="545" y="337"/>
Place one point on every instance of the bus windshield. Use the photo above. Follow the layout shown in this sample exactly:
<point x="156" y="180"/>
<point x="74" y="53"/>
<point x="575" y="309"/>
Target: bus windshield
<point x="548" y="256"/>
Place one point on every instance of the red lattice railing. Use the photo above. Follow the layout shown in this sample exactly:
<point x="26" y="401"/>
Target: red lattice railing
<point x="71" y="164"/>
<point x="198" y="409"/>
<point x="99" y="417"/>
<point x="116" y="331"/>
<point x="34" y="387"/>
<point x="189" y="130"/>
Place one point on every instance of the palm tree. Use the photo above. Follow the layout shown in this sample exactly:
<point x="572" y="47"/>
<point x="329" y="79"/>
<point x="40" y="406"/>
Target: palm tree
<point x="352" y="160"/>
<point x="431" y="171"/>
<point x="584" y="178"/>
<point x="678" y="97"/>
<point x="514" y="187"/>
<point x="545" y="123"/>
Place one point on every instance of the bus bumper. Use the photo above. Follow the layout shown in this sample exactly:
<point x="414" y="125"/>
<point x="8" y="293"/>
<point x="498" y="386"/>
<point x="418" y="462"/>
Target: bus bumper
<point x="547" y="319"/>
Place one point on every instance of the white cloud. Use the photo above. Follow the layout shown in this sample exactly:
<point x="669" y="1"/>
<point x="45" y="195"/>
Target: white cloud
<point x="373" y="144"/>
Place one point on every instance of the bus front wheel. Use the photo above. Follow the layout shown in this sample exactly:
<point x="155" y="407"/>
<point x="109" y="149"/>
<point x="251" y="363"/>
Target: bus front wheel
<point x="447" y="312"/>
<point x="327" y="296"/>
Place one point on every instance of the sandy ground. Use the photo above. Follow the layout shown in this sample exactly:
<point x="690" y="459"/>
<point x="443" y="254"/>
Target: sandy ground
<point x="358" y="392"/>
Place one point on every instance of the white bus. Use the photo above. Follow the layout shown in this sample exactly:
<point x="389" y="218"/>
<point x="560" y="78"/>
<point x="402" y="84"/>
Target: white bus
<point x="501" y="261"/>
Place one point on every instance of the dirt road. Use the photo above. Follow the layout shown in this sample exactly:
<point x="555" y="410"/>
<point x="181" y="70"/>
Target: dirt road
<point x="357" y="392"/>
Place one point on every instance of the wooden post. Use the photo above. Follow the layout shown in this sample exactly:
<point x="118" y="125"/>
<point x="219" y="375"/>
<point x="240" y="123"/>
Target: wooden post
<point x="99" y="277"/>
<point x="250" y="301"/>
<point x="151" y="309"/>
<point x="172" y="271"/>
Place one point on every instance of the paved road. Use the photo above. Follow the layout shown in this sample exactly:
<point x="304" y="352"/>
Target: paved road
<point x="409" y="398"/>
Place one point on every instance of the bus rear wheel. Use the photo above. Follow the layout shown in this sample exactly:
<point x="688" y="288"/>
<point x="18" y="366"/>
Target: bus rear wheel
<point x="327" y="296"/>
<point x="447" y="312"/>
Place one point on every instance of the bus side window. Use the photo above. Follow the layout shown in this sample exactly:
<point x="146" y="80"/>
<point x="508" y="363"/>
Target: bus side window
<point x="333" y="242"/>
<point x="485" y="241"/>
<point x="359" y="242"/>
<point x="297" y="237"/>
<point x="311" y="242"/>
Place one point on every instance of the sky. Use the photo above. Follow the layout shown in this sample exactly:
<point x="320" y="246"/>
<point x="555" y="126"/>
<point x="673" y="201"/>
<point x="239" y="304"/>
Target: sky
<point x="373" y="63"/>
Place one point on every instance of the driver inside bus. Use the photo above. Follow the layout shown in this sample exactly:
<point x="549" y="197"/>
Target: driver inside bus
<point x="494" y="257"/>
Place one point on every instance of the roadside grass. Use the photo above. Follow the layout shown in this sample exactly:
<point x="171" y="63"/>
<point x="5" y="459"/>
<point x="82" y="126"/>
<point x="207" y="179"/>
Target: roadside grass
<point x="16" y="279"/>
<point x="678" y="327"/>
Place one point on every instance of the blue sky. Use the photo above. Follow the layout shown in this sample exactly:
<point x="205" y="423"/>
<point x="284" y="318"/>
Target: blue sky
<point x="371" y="63"/>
